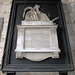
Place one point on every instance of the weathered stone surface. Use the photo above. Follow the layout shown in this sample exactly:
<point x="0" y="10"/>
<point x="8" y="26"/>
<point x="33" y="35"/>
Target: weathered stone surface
<point x="5" y="6"/>
<point x="67" y="8"/>
<point x="73" y="6"/>
<point x="64" y="1"/>
<point x="5" y="2"/>
<point x="71" y="73"/>
<point x="74" y="27"/>
<point x="1" y="73"/>
<point x="71" y="1"/>
<point x="69" y="17"/>
<point x="1" y="53"/>
<point x="70" y="28"/>
<point x="37" y="73"/>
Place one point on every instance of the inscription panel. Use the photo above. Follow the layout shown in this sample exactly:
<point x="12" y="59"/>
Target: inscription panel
<point x="37" y="38"/>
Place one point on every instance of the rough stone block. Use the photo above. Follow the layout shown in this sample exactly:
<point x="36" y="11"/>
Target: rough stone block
<point x="71" y="73"/>
<point x="69" y="17"/>
<point x="70" y="28"/>
<point x="70" y="1"/>
<point x="1" y="53"/>
<point x="73" y="8"/>
<point x="67" y="8"/>
<point x="64" y="1"/>
<point x="72" y="41"/>
<point x="37" y="73"/>
<point x="1" y="73"/>
<point x="74" y="27"/>
<point x="5" y="2"/>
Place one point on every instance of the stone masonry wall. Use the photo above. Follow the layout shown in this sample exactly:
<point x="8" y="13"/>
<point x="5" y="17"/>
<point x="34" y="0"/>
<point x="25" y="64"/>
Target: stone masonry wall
<point x="69" y="9"/>
<point x="5" y="6"/>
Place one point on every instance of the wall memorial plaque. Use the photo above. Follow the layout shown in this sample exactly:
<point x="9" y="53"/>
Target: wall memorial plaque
<point x="37" y="36"/>
<point x="37" y="41"/>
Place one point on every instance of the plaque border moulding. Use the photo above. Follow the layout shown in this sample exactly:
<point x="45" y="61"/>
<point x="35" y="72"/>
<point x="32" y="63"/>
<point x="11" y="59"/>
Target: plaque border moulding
<point x="35" y="19"/>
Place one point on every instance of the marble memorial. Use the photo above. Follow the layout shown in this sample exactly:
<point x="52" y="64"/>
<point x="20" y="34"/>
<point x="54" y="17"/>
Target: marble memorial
<point x="37" y="36"/>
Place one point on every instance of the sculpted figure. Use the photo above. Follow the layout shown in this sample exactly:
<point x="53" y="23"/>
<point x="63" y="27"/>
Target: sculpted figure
<point x="34" y="14"/>
<point x="31" y="15"/>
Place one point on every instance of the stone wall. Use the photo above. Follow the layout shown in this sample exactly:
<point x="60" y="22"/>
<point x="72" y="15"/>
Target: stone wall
<point x="5" y="6"/>
<point x="69" y="9"/>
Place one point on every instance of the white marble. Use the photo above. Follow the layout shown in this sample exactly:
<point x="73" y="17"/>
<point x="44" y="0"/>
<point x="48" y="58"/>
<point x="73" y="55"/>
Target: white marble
<point x="37" y="23"/>
<point x="37" y="36"/>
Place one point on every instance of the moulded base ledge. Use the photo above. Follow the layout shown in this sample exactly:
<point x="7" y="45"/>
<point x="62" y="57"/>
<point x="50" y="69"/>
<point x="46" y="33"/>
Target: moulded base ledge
<point x="37" y="56"/>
